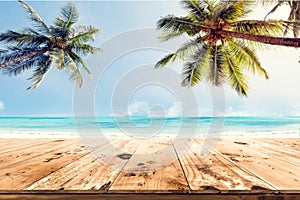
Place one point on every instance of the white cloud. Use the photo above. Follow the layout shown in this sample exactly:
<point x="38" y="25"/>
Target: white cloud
<point x="138" y="108"/>
<point x="237" y="113"/>
<point x="174" y="110"/>
<point x="2" y="105"/>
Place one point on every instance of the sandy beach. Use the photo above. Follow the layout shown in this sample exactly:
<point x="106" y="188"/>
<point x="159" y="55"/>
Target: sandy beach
<point x="118" y="134"/>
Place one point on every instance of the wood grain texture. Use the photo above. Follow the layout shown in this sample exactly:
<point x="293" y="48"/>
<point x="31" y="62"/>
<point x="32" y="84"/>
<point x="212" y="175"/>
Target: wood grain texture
<point x="156" y="165"/>
<point x="89" y="172"/>
<point x="285" y="143"/>
<point x="213" y="171"/>
<point x="10" y="145"/>
<point x="232" y="195"/>
<point x="286" y="154"/>
<point x="22" y="155"/>
<point x="277" y="172"/>
<point x="32" y="169"/>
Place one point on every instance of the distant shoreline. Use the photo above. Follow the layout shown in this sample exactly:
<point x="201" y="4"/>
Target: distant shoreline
<point x="109" y="134"/>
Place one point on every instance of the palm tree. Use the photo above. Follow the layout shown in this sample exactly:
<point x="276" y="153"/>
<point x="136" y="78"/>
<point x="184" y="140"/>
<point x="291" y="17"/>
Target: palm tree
<point x="220" y="46"/>
<point x="294" y="14"/>
<point x="38" y="49"/>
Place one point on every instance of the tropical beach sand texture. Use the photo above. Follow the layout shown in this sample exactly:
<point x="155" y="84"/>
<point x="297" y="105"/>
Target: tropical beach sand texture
<point x="68" y="164"/>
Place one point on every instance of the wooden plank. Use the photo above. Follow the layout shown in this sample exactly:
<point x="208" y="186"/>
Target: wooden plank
<point x="89" y="172"/>
<point x="290" y="155"/>
<point x="56" y="180"/>
<point x="288" y="143"/>
<point x="154" y="166"/>
<point x="6" y="143"/>
<point x="213" y="172"/>
<point x="282" y="175"/>
<point x="107" y="166"/>
<point x="232" y="195"/>
<point x="25" y="173"/>
<point x="23" y="155"/>
<point x="12" y="144"/>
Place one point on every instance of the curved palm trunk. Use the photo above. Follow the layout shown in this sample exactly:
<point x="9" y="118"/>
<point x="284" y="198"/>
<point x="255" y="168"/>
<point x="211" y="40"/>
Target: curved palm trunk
<point x="15" y="60"/>
<point x="279" y="41"/>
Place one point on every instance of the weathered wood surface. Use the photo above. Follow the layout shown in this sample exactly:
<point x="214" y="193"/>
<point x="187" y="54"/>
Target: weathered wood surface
<point x="232" y="195"/>
<point x="31" y="168"/>
<point x="150" y="165"/>
<point x="269" y="167"/>
<point x="214" y="171"/>
<point x="154" y="166"/>
<point x="9" y="145"/>
<point x="88" y="172"/>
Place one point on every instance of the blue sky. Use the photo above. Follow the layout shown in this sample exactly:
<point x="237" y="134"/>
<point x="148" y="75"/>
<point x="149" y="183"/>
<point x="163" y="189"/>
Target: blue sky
<point x="119" y="87"/>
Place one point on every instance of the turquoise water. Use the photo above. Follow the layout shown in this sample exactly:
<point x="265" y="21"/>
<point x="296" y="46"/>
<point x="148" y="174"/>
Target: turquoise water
<point x="151" y="125"/>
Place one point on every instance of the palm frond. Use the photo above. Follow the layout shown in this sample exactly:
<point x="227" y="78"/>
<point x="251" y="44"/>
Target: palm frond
<point x="166" y="60"/>
<point x="79" y="61"/>
<point x="246" y="57"/>
<point x="34" y="16"/>
<point x="83" y="34"/>
<point x="291" y="17"/>
<point x="230" y="11"/>
<point x="58" y="23"/>
<point x="295" y="17"/>
<point x="169" y="35"/>
<point x="280" y="3"/>
<point x="23" y="38"/>
<point x="73" y="71"/>
<point x="14" y="55"/>
<point x="197" y="9"/>
<point x="84" y="49"/>
<point x="21" y="66"/>
<point x="182" y="53"/>
<point x="61" y="32"/>
<point x="259" y="27"/>
<point x="68" y="16"/>
<point x="196" y="69"/>
<point x="216" y="74"/>
<point x="40" y="72"/>
<point x="58" y="56"/>
<point x="179" y="25"/>
<point x="266" y="2"/>
<point x="62" y="24"/>
<point x="191" y="75"/>
<point x="235" y="77"/>
<point x="265" y="28"/>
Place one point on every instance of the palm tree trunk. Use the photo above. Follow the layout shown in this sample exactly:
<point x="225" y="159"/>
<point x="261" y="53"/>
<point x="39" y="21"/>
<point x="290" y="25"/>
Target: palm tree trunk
<point x="279" y="41"/>
<point x="17" y="59"/>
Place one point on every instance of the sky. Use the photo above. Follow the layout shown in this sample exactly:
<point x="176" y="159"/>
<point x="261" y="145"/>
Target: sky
<point x="124" y="81"/>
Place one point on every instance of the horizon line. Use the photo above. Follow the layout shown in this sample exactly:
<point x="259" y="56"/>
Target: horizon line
<point x="144" y="116"/>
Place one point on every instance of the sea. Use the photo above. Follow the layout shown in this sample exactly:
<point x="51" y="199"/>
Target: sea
<point x="136" y="126"/>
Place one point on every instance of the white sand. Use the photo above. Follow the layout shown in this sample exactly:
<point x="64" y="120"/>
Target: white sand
<point x="109" y="134"/>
